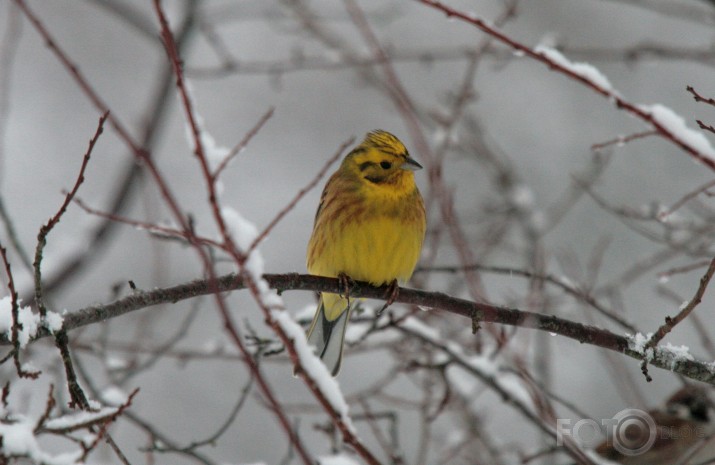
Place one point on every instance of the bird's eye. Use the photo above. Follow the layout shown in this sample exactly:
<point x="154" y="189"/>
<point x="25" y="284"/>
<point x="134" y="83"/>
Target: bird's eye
<point x="385" y="165"/>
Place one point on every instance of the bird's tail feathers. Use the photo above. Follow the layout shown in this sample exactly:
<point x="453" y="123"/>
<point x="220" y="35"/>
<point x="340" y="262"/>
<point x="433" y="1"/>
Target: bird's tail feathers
<point x="327" y="335"/>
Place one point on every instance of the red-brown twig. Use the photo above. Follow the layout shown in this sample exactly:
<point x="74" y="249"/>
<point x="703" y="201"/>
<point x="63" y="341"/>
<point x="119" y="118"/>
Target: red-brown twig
<point x="662" y="216"/>
<point x="48" y="409"/>
<point x="405" y="106"/>
<point x="620" y="102"/>
<point x="671" y="322"/>
<point x="173" y="53"/>
<point x="167" y="195"/>
<point x="243" y="143"/>
<point x="699" y="98"/>
<point x="76" y="393"/>
<point x="141" y="155"/>
<point x="622" y="140"/>
<point x="152" y="228"/>
<point x="299" y="195"/>
<point x="104" y="425"/>
<point x="682" y="269"/>
<point x="705" y="127"/>
<point x="240" y="258"/>
<point x="47" y="228"/>
<point x="125" y="180"/>
<point x="16" y="324"/>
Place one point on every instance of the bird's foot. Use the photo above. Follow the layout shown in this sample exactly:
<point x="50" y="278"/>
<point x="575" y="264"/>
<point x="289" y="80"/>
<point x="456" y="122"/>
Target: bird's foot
<point x="345" y="285"/>
<point x="393" y="290"/>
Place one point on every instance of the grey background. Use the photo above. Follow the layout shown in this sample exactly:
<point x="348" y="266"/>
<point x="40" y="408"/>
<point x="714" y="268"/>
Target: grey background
<point x="543" y="122"/>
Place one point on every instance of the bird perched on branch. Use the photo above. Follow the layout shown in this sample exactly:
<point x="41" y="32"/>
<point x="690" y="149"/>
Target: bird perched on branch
<point x="369" y="226"/>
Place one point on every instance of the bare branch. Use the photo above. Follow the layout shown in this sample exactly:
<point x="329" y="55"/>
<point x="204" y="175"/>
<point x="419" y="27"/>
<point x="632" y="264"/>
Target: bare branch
<point x="243" y="143"/>
<point x="620" y="102"/>
<point x="699" y="98"/>
<point x="671" y="322"/>
<point x="47" y="228"/>
<point x="584" y="334"/>
<point x="16" y="324"/>
<point x="301" y="193"/>
<point x="622" y="140"/>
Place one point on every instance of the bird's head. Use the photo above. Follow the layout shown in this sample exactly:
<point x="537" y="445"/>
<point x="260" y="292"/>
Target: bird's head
<point x="381" y="159"/>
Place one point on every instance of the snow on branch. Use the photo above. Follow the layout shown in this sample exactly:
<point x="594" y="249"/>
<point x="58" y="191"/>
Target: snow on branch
<point x="21" y="433"/>
<point x="664" y="121"/>
<point x="474" y="311"/>
<point x="314" y="367"/>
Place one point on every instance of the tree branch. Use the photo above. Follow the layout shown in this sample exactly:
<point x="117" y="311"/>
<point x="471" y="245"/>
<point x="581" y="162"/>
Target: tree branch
<point x="638" y="111"/>
<point x="599" y="337"/>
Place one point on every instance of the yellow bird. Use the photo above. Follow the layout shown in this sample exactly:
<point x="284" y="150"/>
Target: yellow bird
<point x="369" y="226"/>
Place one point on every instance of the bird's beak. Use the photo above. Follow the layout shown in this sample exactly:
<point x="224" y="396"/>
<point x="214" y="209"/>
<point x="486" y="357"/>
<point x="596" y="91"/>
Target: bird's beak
<point x="411" y="164"/>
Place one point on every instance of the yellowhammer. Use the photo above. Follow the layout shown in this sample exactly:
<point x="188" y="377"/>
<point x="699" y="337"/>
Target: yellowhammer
<point x="369" y="226"/>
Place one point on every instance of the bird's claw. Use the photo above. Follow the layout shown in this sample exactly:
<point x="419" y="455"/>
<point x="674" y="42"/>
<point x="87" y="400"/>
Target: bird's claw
<point x="345" y="285"/>
<point x="393" y="290"/>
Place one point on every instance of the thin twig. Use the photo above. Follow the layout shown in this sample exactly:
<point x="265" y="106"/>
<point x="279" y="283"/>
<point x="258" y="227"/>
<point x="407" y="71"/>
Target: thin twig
<point x="155" y="229"/>
<point x="705" y="127"/>
<point x="671" y="322"/>
<point x="566" y="287"/>
<point x="155" y="115"/>
<point x="243" y="143"/>
<point x="78" y="398"/>
<point x="211" y="440"/>
<point x="619" y="101"/>
<point x="665" y="275"/>
<point x="493" y="381"/>
<point x="47" y="228"/>
<point x="622" y="140"/>
<point x="240" y="260"/>
<point x="135" y="419"/>
<point x="700" y="98"/>
<point x="16" y="324"/>
<point x="685" y="199"/>
<point x="103" y="425"/>
<point x="301" y="193"/>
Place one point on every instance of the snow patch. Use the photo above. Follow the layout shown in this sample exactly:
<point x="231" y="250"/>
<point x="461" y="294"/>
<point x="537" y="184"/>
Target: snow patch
<point x="314" y="368"/>
<point x="340" y="459"/>
<point x="675" y="124"/>
<point x="637" y="342"/>
<point x="244" y="233"/>
<point x="114" y="396"/>
<point x="215" y="153"/>
<point x="54" y="321"/>
<point x="19" y="439"/>
<point x="584" y="70"/>
<point x="29" y="321"/>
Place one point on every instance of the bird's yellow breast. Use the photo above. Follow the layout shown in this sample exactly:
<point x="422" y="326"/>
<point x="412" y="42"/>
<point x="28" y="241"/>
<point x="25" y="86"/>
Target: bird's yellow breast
<point x="371" y="233"/>
<point x="374" y="249"/>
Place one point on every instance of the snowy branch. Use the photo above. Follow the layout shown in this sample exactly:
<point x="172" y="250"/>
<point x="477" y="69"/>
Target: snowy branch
<point x="473" y="311"/>
<point x="666" y="123"/>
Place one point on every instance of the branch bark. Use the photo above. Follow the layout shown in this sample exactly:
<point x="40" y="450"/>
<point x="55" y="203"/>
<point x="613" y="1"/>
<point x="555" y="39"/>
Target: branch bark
<point x="482" y="312"/>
